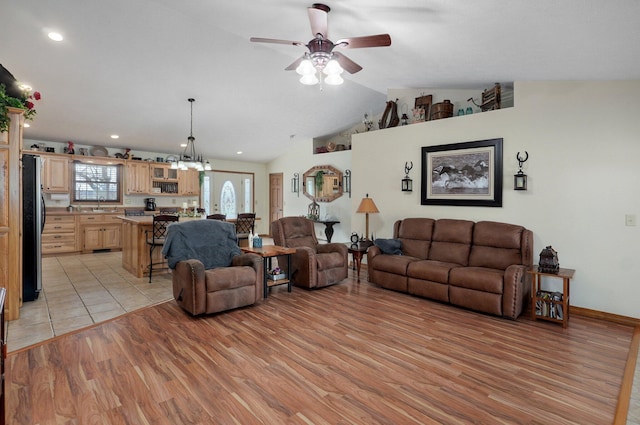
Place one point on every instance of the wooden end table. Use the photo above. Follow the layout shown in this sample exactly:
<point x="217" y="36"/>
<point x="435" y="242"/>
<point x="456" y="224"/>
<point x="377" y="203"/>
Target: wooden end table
<point x="357" y="253"/>
<point x="267" y="252"/>
<point x="544" y="298"/>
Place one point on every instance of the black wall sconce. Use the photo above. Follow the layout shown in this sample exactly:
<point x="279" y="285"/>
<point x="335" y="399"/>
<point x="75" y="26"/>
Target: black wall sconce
<point x="346" y="182"/>
<point x="520" y="178"/>
<point x="295" y="184"/>
<point x="407" y="183"/>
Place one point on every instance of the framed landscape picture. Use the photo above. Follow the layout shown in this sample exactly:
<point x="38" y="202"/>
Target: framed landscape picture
<point x="464" y="174"/>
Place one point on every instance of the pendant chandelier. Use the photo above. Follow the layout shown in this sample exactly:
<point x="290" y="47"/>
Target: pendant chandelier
<point x="189" y="158"/>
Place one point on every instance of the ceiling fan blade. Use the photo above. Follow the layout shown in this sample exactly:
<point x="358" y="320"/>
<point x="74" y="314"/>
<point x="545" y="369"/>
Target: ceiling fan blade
<point x="379" y="40"/>
<point x="347" y="64"/>
<point x="318" y="19"/>
<point x="275" y="41"/>
<point x="295" y="64"/>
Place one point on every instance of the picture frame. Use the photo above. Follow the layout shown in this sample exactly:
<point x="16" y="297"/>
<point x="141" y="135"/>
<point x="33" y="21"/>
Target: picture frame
<point x="463" y="174"/>
<point x="425" y="103"/>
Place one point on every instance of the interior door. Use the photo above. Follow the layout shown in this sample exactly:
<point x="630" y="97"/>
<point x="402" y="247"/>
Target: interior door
<point x="275" y="197"/>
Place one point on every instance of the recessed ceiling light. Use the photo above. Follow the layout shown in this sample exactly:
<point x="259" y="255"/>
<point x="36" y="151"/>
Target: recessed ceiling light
<point x="26" y="125"/>
<point x="25" y="87"/>
<point x="183" y="145"/>
<point x="115" y="136"/>
<point x="239" y="152"/>
<point x="55" y="36"/>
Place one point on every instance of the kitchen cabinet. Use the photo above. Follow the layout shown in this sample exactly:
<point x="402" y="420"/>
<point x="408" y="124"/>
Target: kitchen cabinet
<point x="59" y="234"/>
<point x="129" y="246"/>
<point x="55" y="174"/>
<point x="137" y="178"/>
<point x="100" y="231"/>
<point x="164" y="180"/>
<point x="189" y="182"/>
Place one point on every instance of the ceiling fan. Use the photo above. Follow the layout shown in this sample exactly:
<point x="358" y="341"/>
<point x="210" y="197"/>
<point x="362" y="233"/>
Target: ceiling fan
<point x="321" y="58"/>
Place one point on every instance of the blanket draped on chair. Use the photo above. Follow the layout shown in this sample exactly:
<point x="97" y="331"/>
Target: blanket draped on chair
<point x="212" y="242"/>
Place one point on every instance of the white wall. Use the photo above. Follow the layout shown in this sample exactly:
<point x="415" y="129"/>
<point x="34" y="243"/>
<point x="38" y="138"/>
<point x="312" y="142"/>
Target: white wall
<point x="582" y="139"/>
<point x="298" y="160"/>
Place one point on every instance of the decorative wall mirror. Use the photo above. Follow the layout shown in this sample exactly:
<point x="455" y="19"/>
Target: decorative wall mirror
<point x="322" y="183"/>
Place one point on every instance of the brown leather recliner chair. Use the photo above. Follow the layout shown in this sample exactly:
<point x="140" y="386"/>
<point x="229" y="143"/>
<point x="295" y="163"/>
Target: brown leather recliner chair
<point x="210" y="273"/>
<point x="313" y="265"/>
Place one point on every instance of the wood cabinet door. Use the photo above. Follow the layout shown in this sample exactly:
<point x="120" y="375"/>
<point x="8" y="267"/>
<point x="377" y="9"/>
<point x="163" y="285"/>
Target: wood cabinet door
<point x="92" y="238"/>
<point x="111" y="236"/>
<point x="189" y="182"/>
<point x="55" y="176"/>
<point x="138" y="178"/>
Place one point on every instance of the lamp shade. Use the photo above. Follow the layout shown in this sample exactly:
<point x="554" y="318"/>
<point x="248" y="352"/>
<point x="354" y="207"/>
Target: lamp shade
<point x="367" y="206"/>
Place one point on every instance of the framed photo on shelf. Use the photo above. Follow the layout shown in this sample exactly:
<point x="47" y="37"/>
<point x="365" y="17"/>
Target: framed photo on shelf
<point x="424" y="103"/>
<point x="463" y="174"/>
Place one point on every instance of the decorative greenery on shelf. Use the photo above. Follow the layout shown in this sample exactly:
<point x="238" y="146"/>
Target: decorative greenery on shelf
<point x="24" y="102"/>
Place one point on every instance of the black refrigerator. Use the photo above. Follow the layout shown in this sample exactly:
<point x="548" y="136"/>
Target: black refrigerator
<point x="33" y="217"/>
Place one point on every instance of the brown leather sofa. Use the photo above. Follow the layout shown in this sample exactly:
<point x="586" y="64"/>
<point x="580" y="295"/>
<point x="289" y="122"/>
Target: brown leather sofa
<point x="480" y="266"/>
<point x="313" y="265"/>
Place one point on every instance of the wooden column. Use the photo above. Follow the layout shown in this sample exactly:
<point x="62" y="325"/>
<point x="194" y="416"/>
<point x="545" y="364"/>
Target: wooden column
<point x="11" y="214"/>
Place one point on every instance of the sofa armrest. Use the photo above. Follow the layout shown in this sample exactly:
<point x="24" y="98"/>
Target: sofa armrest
<point x="257" y="262"/>
<point x="517" y="286"/>
<point x="189" y="289"/>
<point x="304" y="267"/>
<point x="332" y="247"/>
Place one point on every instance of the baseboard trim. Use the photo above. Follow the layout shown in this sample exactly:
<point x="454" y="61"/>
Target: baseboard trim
<point x="610" y="317"/>
<point x="624" y="399"/>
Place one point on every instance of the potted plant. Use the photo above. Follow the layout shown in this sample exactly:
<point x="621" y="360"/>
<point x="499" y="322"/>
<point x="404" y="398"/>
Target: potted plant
<point x="24" y="102"/>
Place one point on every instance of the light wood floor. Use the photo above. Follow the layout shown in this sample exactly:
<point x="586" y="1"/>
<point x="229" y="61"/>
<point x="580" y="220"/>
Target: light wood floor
<point x="348" y="354"/>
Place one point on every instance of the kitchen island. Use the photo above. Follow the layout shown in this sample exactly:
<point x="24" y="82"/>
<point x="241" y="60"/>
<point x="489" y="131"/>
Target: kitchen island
<point x="135" y="251"/>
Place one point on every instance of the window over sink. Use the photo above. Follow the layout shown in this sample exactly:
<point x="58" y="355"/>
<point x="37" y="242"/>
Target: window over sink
<point x="96" y="182"/>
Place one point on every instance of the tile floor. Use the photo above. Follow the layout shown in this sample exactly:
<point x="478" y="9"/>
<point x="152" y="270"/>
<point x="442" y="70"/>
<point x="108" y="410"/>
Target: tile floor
<point x="81" y="290"/>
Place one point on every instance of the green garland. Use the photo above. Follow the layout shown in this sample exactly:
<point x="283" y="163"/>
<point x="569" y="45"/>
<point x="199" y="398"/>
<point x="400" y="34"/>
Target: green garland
<point x="7" y="101"/>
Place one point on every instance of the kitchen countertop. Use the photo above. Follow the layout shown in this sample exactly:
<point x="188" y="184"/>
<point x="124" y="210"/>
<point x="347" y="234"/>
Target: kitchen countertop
<point x="63" y="211"/>
<point x="148" y="219"/>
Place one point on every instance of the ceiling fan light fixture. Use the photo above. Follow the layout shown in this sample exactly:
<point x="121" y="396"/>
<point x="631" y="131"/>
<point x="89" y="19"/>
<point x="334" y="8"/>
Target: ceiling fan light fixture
<point x="334" y="80"/>
<point x="333" y="68"/>
<point x="309" y="80"/>
<point x="306" y="68"/>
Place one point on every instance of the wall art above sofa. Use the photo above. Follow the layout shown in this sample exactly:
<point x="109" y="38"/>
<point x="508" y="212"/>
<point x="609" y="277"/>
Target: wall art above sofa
<point x="465" y="174"/>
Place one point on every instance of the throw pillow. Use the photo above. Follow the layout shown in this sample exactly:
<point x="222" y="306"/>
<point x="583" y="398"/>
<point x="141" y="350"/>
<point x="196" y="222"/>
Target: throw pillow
<point x="389" y="246"/>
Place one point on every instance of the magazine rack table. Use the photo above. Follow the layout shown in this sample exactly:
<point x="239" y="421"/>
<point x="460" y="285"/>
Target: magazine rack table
<point x="267" y="252"/>
<point x="543" y="306"/>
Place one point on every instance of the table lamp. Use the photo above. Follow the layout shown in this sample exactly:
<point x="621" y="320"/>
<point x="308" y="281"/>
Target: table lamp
<point x="367" y="206"/>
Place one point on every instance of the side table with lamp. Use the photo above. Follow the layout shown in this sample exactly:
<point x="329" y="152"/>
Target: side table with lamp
<point x="359" y="248"/>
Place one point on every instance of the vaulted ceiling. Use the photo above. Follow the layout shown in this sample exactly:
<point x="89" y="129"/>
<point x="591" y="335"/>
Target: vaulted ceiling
<point x="127" y="67"/>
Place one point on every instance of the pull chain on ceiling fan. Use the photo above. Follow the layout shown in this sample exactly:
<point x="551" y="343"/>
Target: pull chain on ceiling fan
<point x="321" y="60"/>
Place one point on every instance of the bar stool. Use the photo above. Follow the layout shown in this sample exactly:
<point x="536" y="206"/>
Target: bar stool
<point x="244" y="226"/>
<point x="221" y="217"/>
<point x="157" y="236"/>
